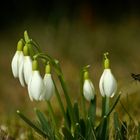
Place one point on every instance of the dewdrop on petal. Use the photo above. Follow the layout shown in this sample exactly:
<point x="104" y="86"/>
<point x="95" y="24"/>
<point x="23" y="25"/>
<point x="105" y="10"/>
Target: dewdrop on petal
<point x="107" y="84"/>
<point x="17" y="59"/>
<point x="88" y="87"/>
<point x="49" y="89"/>
<point x="35" y="85"/>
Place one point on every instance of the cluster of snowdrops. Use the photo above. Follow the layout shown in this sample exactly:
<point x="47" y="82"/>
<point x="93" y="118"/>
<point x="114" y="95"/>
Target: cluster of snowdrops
<point x="25" y="67"/>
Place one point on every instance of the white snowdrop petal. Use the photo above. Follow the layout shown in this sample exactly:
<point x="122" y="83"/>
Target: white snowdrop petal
<point x="29" y="86"/>
<point x="49" y="88"/>
<point x="14" y="64"/>
<point x="101" y="85"/>
<point x="21" y="76"/>
<point x="88" y="90"/>
<point x="108" y="84"/>
<point x="36" y="85"/>
<point x="27" y="68"/>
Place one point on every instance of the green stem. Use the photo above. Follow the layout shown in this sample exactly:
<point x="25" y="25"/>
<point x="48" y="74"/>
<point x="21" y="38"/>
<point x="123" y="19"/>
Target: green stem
<point x="61" y="79"/>
<point x="54" y="121"/>
<point x="61" y="106"/>
<point x="51" y="113"/>
<point x="106" y="112"/>
<point x="103" y="106"/>
<point x="106" y="105"/>
<point x="59" y="73"/>
<point x="83" y="99"/>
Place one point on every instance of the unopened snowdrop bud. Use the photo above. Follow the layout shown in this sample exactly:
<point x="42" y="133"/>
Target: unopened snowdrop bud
<point x="18" y="58"/>
<point x="107" y="84"/>
<point x="49" y="88"/>
<point x="88" y="87"/>
<point x="35" y="85"/>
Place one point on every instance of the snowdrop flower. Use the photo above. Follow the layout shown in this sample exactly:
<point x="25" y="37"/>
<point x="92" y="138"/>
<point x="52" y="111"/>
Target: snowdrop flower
<point x="107" y="84"/>
<point x="49" y="88"/>
<point x="88" y="87"/>
<point x="25" y="68"/>
<point x="35" y="84"/>
<point x="17" y="59"/>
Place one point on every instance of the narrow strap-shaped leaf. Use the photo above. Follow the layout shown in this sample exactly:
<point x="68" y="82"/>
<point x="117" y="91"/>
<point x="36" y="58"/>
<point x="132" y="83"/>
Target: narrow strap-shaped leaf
<point x="76" y="112"/>
<point x="82" y="127"/>
<point x="102" y="129"/>
<point x="38" y="130"/>
<point x="92" y="110"/>
<point x="67" y="134"/>
<point x="118" y="135"/>
<point x="90" y="133"/>
<point x="45" y="124"/>
<point x="114" y="104"/>
<point x="43" y="120"/>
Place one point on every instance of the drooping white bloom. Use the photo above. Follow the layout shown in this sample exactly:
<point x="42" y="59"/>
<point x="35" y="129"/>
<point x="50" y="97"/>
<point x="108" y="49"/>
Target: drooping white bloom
<point x="16" y="61"/>
<point x="88" y="90"/>
<point x="27" y="68"/>
<point x="107" y="84"/>
<point x="35" y="86"/>
<point x="18" y="58"/>
<point x="21" y="74"/>
<point x="49" y="89"/>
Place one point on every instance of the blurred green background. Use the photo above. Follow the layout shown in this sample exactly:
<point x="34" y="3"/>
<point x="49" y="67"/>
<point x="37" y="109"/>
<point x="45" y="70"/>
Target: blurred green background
<point x="77" y="33"/>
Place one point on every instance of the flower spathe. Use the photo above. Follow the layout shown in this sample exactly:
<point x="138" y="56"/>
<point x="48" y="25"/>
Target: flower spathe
<point x="35" y="86"/>
<point x="107" y="84"/>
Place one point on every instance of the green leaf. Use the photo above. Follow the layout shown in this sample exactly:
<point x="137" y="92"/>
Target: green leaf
<point x="82" y="127"/>
<point x="118" y="135"/>
<point x="113" y="105"/>
<point x="67" y="134"/>
<point x="90" y="133"/>
<point x="102" y="129"/>
<point x="92" y="111"/>
<point x="124" y="130"/>
<point x="45" y="124"/>
<point x="76" y="112"/>
<point x="43" y="120"/>
<point x="68" y="118"/>
<point x="38" y="130"/>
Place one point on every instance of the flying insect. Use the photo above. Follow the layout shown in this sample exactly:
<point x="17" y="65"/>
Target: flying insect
<point x="135" y="76"/>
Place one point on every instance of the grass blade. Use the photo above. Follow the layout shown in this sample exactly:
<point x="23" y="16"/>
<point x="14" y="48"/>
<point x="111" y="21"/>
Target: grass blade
<point x="92" y="111"/>
<point x="118" y="135"/>
<point x="114" y="104"/>
<point x="38" y="130"/>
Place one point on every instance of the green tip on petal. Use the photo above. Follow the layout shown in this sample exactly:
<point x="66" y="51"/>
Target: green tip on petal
<point x="48" y="68"/>
<point x="26" y="36"/>
<point x="86" y="75"/>
<point x="106" y="61"/>
<point x="26" y="50"/>
<point x="35" y="65"/>
<point x="20" y="45"/>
